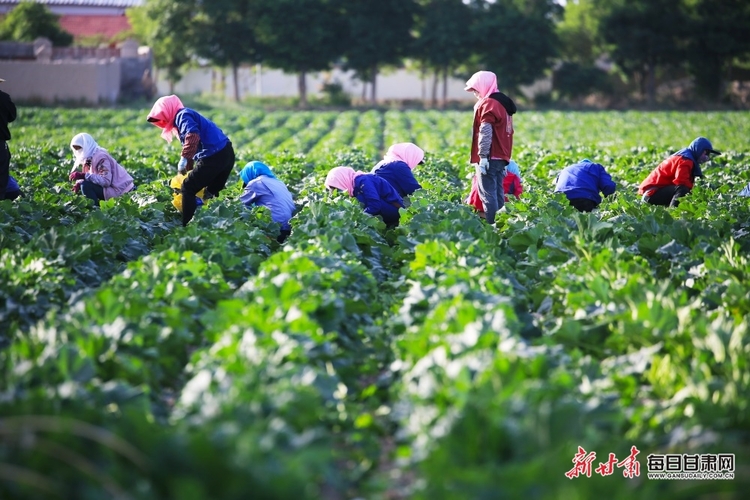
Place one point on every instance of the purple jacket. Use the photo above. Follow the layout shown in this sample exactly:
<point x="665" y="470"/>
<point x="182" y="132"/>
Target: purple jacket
<point x="103" y="170"/>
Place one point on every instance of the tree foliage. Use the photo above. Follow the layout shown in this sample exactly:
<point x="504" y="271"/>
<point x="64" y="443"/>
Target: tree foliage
<point x="301" y="36"/>
<point x="226" y="34"/>
<point x="31" y="20"/>
<point x="641" y="40"/>
<point x="379" y="34"/>
<point x="165" y="25"/>
<point x="515" y="39"/>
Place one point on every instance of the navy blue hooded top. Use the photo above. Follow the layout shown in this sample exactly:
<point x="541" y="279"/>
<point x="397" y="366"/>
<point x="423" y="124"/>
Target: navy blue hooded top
<point x="585" y="180"/>
<point x="378" y="197"/>
<point x="399" y="175"/>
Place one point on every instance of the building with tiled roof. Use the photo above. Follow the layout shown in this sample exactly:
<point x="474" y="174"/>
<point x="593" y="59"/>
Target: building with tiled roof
<point x="86" y="18"/>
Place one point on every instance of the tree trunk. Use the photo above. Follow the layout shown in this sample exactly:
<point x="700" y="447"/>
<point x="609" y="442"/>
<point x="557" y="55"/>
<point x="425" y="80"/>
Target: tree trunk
<point x="364" y="90"/>
<point x="171" y="86"/>
<point x="302" y="85"/>
<point x="235" y="77"/>
<point x="422" y="77"/>
<point x="651" y="83"/>
<point x="435" y="78"/>
<point x="445" y="88"/>
<point x="374" y="94"/>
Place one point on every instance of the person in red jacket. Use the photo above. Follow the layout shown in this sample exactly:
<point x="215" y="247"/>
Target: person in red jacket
<point x="675" y="176"/>
<point x="491" y="140"/>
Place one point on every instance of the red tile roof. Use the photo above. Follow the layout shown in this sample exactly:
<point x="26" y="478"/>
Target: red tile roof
<point x="87" y="26"/>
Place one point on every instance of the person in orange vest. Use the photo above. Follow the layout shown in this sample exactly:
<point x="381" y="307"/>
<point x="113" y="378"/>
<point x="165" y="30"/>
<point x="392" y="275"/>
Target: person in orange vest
<point x="675" y="176"/>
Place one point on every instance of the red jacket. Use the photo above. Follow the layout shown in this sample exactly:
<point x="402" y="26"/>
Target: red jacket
<point x="674" y="171"/>
<point x="511" y="185"/>
<point x="492" y="112"/>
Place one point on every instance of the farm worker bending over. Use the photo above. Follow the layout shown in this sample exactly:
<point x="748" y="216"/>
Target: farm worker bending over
<point x="7" y="115"/>
<point x="511" y="185"/>
<point x="376" y="194"/>
<point x="207" y="154"/>
<point x="397" y="165"/>
<point x="491" y="140"/>
<point x="264" y="189"/>
<point x="675" y="176"/>
<point x="101" y="177"/>
<point x="582" y="183"/>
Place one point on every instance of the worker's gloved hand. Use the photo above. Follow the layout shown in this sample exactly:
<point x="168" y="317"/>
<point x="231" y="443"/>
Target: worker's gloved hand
<point x="77" y="186"/>
<point x="75" y="176"/>
<point x="182" y="166"/>
<point x="483" y="164"/>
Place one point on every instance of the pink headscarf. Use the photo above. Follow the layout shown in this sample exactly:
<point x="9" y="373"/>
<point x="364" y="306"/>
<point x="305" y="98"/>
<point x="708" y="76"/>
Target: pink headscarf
<point x="409" y="153"/>
<point x="342" y="178"/>
<point x="163" y="113"/>
<point x="484" y="82"/>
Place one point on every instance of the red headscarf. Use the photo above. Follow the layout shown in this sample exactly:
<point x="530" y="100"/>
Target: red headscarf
<point x="163" y="113"/>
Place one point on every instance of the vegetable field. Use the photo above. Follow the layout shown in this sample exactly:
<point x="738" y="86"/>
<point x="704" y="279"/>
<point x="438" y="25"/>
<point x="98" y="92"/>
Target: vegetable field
<point x="443" y="359"/>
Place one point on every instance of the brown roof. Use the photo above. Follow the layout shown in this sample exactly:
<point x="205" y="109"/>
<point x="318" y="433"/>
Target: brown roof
<point x="87" y="26"/>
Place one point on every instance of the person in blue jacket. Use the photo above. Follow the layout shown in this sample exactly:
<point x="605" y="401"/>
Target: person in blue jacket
<point x="582" y="183"/>
<point x="375" y="193"/>
<point x="204" y="146"/>
<point x="397" y="165"/>
<point x="262" y="188"/>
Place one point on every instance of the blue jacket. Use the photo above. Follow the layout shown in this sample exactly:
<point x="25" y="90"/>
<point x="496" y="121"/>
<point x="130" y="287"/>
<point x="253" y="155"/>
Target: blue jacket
<point x="12" y="186"/>
<point x="213" y="139"/>
<point x="585" y="180"/>
<point x="399" y="175"/>
<point x="273" y="194"/>
<point x="378" y="197"/>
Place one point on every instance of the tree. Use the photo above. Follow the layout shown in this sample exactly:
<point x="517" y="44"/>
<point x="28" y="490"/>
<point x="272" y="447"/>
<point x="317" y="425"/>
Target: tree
<point x="515" y="39"/>
<point x="642" y="41"/>
<point x="165" y="26"/>
<point x="301" y="36"/>
<point x="720" y="34"/>
<point x="225" y="33"/>
<point x="379" y="35"/>
<point x="441" y="43"/>
<point x="578" y="32"/>
<point x="29" y="21"/>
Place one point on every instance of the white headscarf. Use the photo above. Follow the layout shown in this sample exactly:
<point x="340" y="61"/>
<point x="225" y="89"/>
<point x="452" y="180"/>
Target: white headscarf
<point x="88" y="147"/>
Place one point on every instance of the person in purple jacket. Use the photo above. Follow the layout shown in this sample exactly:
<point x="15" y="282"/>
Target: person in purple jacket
<point x="100" y="177"/>
<point x="376" y="195"/>
<point x="204" y="146"/>
<point x="581" y="183"/>
<point x="397" y="165"/>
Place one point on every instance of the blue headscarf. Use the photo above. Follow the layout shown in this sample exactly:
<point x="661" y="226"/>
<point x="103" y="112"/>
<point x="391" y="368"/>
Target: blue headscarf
<point x="512" y="167"/>
<point x="255" y="169"/>
<point x="695" y="151"/>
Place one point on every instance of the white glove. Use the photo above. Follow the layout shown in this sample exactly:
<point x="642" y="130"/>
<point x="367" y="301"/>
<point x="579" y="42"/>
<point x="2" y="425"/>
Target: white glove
<point x="483" y="164"/>
<point x="182" y="165"/>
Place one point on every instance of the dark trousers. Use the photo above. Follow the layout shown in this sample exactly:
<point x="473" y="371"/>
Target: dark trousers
<point x="583" y="204"/>
<point x="211" y="173"/>
<point x="667" y="196"/>
<point x="92" y="191"/>
<point x="490" y="187"/>
<point x="4" y="168"/>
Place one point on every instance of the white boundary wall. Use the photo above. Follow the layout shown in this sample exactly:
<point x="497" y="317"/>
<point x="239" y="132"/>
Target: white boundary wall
<point x="92" y="82"/>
